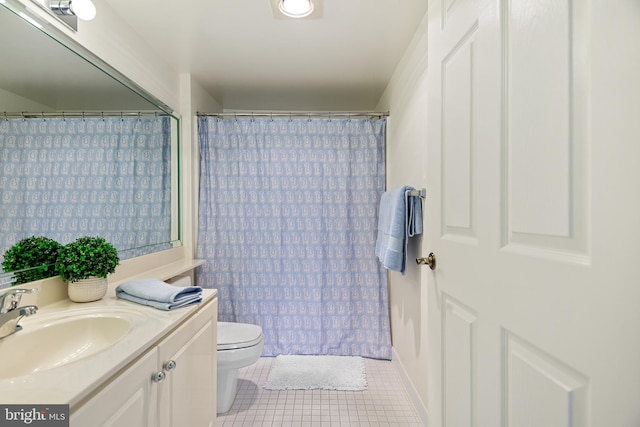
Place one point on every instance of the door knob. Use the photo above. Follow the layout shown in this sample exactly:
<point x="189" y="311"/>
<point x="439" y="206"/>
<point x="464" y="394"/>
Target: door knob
<point x="430" y="261"/>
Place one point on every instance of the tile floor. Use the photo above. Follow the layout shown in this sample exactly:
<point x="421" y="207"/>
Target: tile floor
<point x="384" y="403"/>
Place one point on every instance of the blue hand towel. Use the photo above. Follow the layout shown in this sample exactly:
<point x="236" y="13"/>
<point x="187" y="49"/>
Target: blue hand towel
<point x="160" y="305"/>
<point x="158" y="294"/>
<point x="400" y="217"/>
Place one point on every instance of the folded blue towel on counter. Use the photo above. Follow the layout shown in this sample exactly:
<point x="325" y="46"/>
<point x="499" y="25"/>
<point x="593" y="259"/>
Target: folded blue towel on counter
<point x="400" y="217"/>
<point x="159" y="294"/>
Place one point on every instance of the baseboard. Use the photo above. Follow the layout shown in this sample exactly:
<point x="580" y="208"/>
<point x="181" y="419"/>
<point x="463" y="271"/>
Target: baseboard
<point x="411" y="390"/>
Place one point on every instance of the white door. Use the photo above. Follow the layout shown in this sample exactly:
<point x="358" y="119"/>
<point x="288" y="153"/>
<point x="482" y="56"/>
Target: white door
<point x="533" y="212"/>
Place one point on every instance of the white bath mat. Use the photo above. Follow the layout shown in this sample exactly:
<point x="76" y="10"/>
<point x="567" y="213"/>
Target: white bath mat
<point x="317" y="372"/>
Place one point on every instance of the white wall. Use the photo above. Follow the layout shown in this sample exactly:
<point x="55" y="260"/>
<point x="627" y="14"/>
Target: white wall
<point x="406" y="100"/>
<point x="20" y="103"/>
<point x="194" y="99"/>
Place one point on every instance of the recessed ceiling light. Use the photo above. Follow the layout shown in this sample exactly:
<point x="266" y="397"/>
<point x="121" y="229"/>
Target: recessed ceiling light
<point x="296" y="8"/>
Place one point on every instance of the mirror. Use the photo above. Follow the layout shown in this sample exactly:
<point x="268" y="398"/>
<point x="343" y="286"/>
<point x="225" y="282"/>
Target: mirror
<point x="84" y="151"/>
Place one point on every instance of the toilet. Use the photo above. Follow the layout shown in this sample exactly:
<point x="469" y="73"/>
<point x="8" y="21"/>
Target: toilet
<point x="239" y="345"/>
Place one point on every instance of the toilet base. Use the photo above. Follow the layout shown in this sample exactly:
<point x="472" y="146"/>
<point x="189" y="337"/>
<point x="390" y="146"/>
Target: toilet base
<point x="227" y="389"/>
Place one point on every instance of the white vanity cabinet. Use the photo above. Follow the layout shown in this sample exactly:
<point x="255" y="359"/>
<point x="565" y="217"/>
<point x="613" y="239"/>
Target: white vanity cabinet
<point x="187" y="396"/>
<point x="173" y="384"/>
<point x="129" y="400"/>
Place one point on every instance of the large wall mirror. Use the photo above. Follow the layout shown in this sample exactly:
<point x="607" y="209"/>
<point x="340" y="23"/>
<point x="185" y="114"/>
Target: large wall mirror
<point x="83" y="150"/>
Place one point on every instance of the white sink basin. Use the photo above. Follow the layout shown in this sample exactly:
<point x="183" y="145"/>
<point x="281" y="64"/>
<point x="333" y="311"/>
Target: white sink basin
<point x="54" y="341"/>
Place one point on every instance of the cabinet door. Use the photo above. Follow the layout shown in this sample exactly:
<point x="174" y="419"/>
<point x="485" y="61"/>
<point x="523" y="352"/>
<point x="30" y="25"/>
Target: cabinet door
<point x="188" y="395"/>
<point x="128" y="401"/>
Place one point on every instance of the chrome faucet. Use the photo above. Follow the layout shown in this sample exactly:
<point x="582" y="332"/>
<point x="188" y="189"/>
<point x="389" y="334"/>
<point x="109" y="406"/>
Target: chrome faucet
<point x="10" y="313"/>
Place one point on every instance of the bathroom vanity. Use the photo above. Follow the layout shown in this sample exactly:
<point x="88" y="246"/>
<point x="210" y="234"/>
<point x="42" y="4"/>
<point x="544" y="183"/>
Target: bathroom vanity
<point x="171" y="384"/>
<point x="115" y="362"/>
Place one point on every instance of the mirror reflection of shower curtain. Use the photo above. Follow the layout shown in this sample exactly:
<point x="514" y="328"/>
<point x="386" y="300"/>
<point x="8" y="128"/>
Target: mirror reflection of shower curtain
<point x="70" y="177"/>
<point x="287" y="225"/>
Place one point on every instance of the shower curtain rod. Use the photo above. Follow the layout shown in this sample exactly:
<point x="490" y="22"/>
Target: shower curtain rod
<point x="78" y="114"/>
<point x="300" y="114"/>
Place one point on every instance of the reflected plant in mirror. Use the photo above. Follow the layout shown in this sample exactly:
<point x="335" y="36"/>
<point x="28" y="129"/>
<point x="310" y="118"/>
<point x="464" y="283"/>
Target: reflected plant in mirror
<point x="83" y="149"/>
<point x="32" y="258"/>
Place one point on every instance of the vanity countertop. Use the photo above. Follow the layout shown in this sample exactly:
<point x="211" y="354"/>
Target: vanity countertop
<point x="72" y="382"/>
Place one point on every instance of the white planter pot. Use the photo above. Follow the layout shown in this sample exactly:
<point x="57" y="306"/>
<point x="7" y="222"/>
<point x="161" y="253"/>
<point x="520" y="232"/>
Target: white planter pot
<point x="87" y="290"/>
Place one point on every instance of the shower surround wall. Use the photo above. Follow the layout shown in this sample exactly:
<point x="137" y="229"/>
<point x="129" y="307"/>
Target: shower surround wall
<point x="288" y="215"/>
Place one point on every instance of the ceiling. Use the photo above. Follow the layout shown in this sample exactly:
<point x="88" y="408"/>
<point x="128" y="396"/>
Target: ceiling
<point x="249" y="58"/>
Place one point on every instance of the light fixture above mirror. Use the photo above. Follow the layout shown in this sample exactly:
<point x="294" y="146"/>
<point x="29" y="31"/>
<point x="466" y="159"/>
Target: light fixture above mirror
<point x="69" y="11"/>
<point x="296" y="8"/>
<point x="83" y="9"/>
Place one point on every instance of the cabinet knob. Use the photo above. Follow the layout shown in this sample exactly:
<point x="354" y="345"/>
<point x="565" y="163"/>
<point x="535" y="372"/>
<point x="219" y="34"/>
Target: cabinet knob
<point x="170" y="365"/>
<point x="159" y="376"/>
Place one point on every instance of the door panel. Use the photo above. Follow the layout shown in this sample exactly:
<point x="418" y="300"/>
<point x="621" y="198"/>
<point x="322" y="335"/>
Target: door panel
<point x="544" y="115"/>
<point x="457" y="140"/>
<point x="458" y="348"/>
<point x="533" y="213"/>
<point x="541" y="391"/>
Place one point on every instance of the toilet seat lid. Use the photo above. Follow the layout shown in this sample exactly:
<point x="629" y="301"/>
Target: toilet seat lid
<point x="233" y="335"/>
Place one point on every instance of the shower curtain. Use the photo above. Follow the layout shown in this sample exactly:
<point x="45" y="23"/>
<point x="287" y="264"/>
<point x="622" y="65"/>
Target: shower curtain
<point x="70" y="177"/>
<point x="287" y="221"/>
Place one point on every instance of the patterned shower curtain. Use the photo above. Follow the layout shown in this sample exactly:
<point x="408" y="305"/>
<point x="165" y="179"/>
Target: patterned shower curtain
<point x="287" y="225"/>
<point x="69" y="177"/>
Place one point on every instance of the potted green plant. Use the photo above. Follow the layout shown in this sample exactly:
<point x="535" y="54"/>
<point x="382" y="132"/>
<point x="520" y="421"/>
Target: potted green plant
<point x="32" y="258"/>
<point x="85" y="264"/>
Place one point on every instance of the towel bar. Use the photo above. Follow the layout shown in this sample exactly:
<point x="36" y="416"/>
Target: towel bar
<point x="418" y="193"/>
